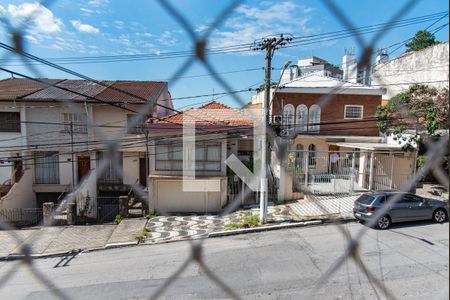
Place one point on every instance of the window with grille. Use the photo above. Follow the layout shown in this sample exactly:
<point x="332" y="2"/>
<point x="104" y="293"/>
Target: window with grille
<point x="110" y="168"/>
<point x="208" y="156"/>
<point x="77" y="121"/>
<point x="353" y="112"/>
<point x="314" y="118"/>
<point x="136" y="123"/>
<point x="288" y="118"/>
<point x="46" y="167"/>
<point x="9" y="121"/>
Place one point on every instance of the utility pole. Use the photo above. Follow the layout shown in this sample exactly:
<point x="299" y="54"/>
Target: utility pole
<point x="270" y="45"/>
<point x="73" y="162"/>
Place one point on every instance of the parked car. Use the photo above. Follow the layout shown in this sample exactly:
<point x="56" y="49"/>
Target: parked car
<point x="409" y="207"/>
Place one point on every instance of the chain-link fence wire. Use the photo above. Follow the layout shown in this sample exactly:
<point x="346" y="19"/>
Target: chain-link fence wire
<point x="112" y="145"/>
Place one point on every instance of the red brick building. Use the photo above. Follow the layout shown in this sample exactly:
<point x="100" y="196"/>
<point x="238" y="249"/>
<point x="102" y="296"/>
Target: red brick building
<point x="318" y="105"/>
<point x="334" y="143"/>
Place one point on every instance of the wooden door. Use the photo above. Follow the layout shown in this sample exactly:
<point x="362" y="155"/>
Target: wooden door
<point x="84" y="165"/>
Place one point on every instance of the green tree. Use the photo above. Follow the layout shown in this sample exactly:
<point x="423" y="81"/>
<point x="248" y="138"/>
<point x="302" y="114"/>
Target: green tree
<point x="421" y="107"/>
<point x="421" y="40"/>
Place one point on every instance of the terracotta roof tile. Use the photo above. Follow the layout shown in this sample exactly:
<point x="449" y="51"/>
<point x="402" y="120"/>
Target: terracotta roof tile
<point x="135" y="91"/>
<point x="15" y="88"/>
<point x="87" y="88"/>
<point x="212" y="113"/>
<point x="111" y="91"/>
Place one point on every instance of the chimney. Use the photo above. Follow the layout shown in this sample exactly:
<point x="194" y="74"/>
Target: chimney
<point x="349" y="66"/>
<point x="382" y="57"/>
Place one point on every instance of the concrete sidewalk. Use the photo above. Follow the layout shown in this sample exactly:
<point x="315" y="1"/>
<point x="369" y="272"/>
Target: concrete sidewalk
<point x="47" y="241"/>
<point x="324" y="207"/>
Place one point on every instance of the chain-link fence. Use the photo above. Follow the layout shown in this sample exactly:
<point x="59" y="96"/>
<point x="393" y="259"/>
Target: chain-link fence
<point x="113" y="142"/>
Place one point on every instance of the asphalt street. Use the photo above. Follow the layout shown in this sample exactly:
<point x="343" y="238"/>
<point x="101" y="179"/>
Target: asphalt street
<point x="410" y="260"/>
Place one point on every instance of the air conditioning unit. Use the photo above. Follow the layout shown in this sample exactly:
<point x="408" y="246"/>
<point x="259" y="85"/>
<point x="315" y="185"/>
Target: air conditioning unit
<point x="284" y="132"/>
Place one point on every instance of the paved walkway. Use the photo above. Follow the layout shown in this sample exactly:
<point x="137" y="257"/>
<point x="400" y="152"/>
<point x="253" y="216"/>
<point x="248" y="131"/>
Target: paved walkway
<point x="126" y="232"/>
<point x="59" y="239"/>
<point x="324" y="206"/>
<point x="184" y="227"/>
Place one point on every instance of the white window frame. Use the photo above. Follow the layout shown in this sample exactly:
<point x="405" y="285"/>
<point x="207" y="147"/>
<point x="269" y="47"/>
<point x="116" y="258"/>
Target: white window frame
<point x="352" y="105"/>
<point x="79" y="122"/>
<point x="46" y="167"/>
<point x="288" y="117"/>
<point x="301" y="118"/>
<point x="174" y="161"/>
<point x="314" y="116"/>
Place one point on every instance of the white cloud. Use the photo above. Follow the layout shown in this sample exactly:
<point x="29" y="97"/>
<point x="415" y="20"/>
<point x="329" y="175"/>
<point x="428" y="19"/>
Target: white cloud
<point x="2" y="10"/>
<point x="41" y="17"/>
<point x="123" y="39"/>
<point x="31" y="38"/>
<point x="86" y="11"/>
<point x="119" y="24"/>
<point x="167" y="39"/>
<point x="84" y="27"/>
<point x="269" y="18"/>
<point x="144" y="34"/>
<point x="98" y="2"/>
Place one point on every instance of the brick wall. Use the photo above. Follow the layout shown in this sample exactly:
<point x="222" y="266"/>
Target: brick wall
<point x="332" y="115"/>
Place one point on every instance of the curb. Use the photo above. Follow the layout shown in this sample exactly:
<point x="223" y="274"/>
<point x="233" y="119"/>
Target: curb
<point x="260" y="229"/>
<point x="120" y="244"/>
<point x="11" y="257"/>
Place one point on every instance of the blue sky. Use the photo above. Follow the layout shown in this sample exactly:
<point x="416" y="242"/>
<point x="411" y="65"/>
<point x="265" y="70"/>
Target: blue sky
<point x="106" y="27"/>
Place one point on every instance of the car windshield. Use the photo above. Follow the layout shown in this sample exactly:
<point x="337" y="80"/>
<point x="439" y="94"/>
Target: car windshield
<point x="365" y="199"/>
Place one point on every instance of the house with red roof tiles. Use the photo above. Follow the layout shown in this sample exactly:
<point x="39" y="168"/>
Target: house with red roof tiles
<point x="56" y="136"/>
<point x="219" y="132"/>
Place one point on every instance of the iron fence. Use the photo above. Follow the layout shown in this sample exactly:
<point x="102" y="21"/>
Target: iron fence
<point x="22" y="217"/>
<point x="334" y="177"/>
<point x="346" y="172"/>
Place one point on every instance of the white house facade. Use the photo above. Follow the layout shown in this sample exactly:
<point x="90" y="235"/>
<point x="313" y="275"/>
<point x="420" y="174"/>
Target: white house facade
<point x="56" y="134"/>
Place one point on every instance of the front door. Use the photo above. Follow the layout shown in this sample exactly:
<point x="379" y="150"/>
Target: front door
<point x="84" y="165"/>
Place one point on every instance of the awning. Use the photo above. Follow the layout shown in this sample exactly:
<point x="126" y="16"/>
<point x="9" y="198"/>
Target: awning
<point x="368" y="146"/>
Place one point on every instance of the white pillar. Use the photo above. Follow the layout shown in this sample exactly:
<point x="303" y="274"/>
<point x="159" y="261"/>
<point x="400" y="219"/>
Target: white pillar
<point x="371" y="171"/>
<point x="352" y="174"/>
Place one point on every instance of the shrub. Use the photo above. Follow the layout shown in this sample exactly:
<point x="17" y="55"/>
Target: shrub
<point x="244" y="222"/>
<point x="118" y="219"/>
<point x="142" y="235"/>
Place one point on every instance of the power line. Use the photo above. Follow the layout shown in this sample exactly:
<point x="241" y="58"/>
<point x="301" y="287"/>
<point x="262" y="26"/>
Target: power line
<point x="97" y="82"/>
<point x="245" y="47"/>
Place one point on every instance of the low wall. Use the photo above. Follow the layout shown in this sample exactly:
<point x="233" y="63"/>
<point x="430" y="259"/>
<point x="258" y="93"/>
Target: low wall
<point x="166" y="195"/>
<point x="21" y="194"/>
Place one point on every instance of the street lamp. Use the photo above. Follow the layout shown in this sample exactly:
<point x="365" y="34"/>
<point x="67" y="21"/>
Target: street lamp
<point x="264" y="191"/>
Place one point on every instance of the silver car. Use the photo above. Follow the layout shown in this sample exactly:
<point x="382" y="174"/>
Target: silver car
<point x="409" y="207"/>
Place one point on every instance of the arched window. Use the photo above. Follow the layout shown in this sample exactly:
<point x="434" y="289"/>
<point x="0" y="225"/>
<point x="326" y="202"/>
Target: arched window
<point x="288" y="117"/>
<point x="312" y="156"/>
<point x="314" y="118"/>
<point x="301" y="118"/>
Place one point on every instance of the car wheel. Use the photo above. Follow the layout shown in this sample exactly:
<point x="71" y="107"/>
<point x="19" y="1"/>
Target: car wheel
<point x="439" y="216"/>
<point x="384" y="222"/>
